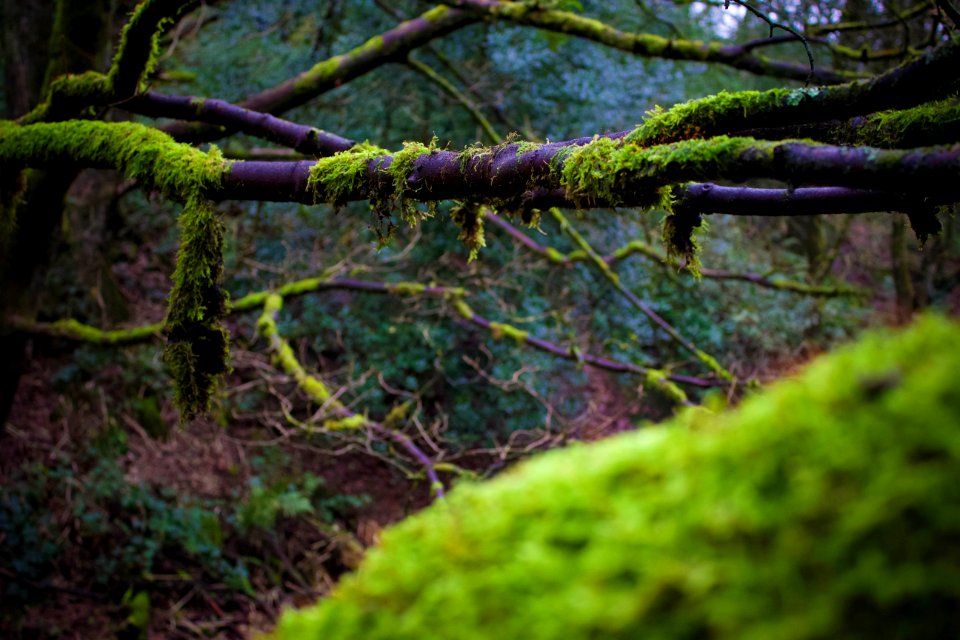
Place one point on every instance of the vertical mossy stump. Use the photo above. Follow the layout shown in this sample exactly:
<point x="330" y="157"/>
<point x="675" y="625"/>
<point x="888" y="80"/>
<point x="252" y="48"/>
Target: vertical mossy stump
<point x="825" y="507"/>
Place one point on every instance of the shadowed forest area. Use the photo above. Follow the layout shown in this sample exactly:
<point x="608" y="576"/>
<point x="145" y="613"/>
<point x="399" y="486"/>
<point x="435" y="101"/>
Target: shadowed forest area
<point x="275" y="276"/>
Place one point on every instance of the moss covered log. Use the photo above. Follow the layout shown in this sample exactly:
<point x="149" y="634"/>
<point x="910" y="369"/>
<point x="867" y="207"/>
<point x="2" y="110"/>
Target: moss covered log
<point x="826" y="507"/>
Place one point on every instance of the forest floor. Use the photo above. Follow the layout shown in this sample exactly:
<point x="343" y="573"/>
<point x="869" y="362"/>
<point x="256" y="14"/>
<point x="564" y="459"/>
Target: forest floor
<point x="78" y="534"/>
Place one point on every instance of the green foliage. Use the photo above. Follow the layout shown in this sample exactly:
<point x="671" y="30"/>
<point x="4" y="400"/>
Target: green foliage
<point x="824" y="507"/>
<point x="131" y="532"/>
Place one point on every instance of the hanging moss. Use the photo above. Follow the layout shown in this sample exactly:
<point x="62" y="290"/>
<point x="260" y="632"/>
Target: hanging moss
<point x="826" y="507"/>
<point x="469" y="219"/>
<point x="335" y="178"/>
<point x="592" y="173"/>
<point x="197" y="342"/>
<point x="400" y="169"/>
<point x="680" y="232"/>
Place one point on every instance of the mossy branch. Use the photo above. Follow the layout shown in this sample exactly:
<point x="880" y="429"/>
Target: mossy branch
<point x="642" y="248"/>
<point x="72" y="96"/>
<point x="342" y="417"/>
<point x="73" y="330"/>
<point x="298" y="137"/>
<point x="603" y="267"/>
<point x="645" y="45"/>
<point x="329" y="74"/>
<point x="931" y="76"/>
<point x="665" y="382"/>
<point x="197" y="349"/>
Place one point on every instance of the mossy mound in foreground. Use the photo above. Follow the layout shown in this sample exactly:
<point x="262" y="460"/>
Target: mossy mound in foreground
<point x="826" y="507"/>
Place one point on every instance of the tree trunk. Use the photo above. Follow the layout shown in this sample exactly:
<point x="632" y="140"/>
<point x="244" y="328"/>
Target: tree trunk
<point x="41" y="41"/>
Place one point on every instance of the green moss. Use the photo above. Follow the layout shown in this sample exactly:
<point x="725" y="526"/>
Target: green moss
<point x="195" y="309"/>
<point x="197" y="342"/>
<point x="469" y="218"/>
<point x="681" y="233"/>
<point x="603" y="169"/>
<point x="435" y="14"/>
<point x="72" y="96"/>
<point x="70" y="328"/>
<point x="699" y="118"/>
<point x="335" y="178"/>
<point x="501" y="330"/>
<point x="462" y="308"/>
<point x="356" y="421"/>
<point x="306" y="82"/>
<point x="658" y="379"/>
<point x="526" y="147"/>
<point x="826" y="507"/>
<point x="400" y="169"/>
<point x="408" y="288"/>
<point x="477" y="152"/>
<point x="555" y="256"/>
<point x="930" y="123"/>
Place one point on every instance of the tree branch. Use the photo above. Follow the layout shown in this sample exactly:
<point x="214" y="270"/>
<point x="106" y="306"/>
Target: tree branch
<point x="226" y="116"/>
<point x="638" y="246"/>
<point x="644" y="45"/>
<point x="317" y="391"/>
<point x="390" y="46"/>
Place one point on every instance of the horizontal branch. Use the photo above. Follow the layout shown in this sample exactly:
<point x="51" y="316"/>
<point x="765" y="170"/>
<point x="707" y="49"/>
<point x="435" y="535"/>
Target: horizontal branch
<point x="586" y="172"/>
<point x="604" y="173"/>
<point x="646" y="45"/>
<point x="390" y="46"/>
<point x="933" y="76"/>
<point x="644" y="249"/>
<point x="664" y="381"/>
<point x="75" y="331"/>
<point x="924" y="125"/>
<point x="299" y="137"/>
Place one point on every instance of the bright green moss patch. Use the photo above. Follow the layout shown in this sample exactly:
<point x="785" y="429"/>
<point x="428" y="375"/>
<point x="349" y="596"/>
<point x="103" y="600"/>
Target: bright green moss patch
<point x="658" y="379"/>
<point x="198" y="343"/>
<point x="826" y="507"/>
<point x="599" y="172"/>
<point x="501" y="330"/>
<point x="930" y="123"/>
<point x="400" y="168"/>
<point x="699" y="118"/>
<point x="333" y="179"/>
<point x="407" y="288"/>
<point x="680" y="232"/>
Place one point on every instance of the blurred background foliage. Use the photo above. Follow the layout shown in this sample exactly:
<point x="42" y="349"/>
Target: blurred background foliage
<point x="103" y="492"/>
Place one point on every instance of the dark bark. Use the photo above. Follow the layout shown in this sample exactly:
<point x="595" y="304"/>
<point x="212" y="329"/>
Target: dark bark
<point x="300" y="138"/>
<point x="26" y="33"/>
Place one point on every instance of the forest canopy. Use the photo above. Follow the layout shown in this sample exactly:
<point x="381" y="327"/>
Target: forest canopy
<point x="277" y="275"/>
